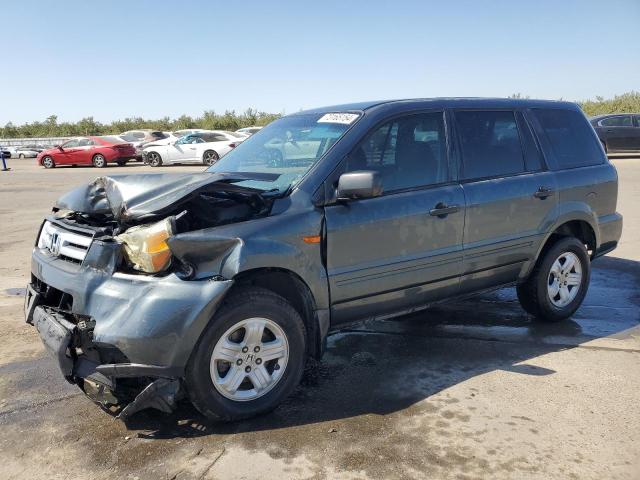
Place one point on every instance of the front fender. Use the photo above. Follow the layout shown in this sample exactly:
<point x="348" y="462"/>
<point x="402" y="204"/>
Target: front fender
<point x="274" y="242"/>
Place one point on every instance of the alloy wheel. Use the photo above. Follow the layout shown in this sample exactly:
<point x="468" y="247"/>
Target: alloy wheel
<point x="99" y="161"/>
<point x="565" y="278"/>
<point x="249" y="359"/>
<point x="210" y="157"/>
<point x="154" y="159"/>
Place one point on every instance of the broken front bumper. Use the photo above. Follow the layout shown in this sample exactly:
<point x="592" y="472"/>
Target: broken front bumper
<point x="112" y="332"/>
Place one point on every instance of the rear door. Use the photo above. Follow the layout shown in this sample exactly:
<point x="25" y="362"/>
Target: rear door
<point x="401" y="250"/>
<point x="510" y="196"/>
<point x="635" y="145"/>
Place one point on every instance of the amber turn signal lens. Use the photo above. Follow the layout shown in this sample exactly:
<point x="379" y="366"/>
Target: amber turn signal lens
<point x="311" y="239"/>
<point x="146" y="246"/>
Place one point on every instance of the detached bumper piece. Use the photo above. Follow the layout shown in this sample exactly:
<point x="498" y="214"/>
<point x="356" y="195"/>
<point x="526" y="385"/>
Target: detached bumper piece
<point x="120" y="388"/>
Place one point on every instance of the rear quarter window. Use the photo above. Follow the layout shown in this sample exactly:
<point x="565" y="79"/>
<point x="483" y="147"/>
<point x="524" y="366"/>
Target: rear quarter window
<point x="570" y="137"/>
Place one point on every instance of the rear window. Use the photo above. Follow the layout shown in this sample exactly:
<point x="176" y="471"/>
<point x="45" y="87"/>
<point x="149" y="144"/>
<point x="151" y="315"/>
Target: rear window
<point x="571" y="138"/>
<point x="110" y="139"/>
<point x="490" y="143"/>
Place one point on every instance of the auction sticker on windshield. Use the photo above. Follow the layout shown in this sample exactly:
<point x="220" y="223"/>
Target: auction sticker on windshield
<point x="345" y="118"/>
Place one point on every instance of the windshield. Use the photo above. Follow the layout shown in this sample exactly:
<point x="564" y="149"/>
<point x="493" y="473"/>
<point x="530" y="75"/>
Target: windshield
<point x="288" y="147"/>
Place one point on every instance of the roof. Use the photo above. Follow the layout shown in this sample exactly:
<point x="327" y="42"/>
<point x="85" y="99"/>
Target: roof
<point x="443" y="102"/>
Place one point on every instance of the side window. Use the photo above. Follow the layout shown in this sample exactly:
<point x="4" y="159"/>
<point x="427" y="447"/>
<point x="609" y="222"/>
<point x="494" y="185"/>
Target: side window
<point x="490" y="143"/>
<point x="71" y="143"/>
<point x="637" y="118"/>
<point x="619" y="121"/>
<point x="408" y="152"/>
<point x="572" y="140"/>
<point x="532" y="155"/>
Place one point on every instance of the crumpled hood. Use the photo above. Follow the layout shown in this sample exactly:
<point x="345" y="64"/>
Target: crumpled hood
<point x="133" y="197"/>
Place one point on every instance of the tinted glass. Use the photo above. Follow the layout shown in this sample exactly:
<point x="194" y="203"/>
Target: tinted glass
<point x="532" y="155"/>
<point x="571" y="138"/>
<point x="408" y="152"/>
<point x="490" y="143"/>
<point x="620" y="121"/>
<point x="637" y="117"/>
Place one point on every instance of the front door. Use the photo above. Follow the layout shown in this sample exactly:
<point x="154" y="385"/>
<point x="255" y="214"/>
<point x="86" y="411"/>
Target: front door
<point x="509" y="196"/>
<point x="401" y="250"/>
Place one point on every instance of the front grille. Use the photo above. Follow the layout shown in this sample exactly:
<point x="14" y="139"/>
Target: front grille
<point x="69" y="245"/>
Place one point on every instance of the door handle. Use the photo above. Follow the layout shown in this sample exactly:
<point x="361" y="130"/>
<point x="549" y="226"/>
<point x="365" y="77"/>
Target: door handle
<point x="543" y="192"/>
<point x="441" y="210"/>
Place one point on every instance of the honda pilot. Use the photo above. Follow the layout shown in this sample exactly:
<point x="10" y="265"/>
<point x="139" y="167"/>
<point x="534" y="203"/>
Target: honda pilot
<point x="217" y="286"/>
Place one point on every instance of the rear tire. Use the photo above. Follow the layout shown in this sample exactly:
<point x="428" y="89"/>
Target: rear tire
<point x="154" y="159"/>
<point x="99" y="161"/>
<point x="47" y="162"/>
<point x="210" y="157"/>
<point x="263" y="388"/>
<point x="558" y="283"/>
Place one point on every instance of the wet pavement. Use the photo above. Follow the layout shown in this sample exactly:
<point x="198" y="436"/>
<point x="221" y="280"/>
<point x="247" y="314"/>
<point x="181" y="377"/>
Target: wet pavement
<point x="470" y="389"/>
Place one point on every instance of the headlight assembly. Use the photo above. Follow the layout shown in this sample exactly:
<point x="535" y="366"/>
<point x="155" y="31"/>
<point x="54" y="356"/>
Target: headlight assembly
<point x="146" y="246"/>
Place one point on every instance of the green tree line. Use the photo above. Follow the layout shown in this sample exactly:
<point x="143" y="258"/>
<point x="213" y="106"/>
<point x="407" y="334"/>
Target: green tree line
<point x="210" y="120"/>
<point x="230" y="120"/>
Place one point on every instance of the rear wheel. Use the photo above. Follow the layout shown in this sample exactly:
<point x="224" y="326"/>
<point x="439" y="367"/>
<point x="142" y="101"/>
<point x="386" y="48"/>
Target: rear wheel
<point x="99" y="161"/>
<point x="559" y="281"/>
<point x="154" y="159"/>
<point x="250" y="357"/>
<point x="210" y="157"/>
<point x="47" y="162"/>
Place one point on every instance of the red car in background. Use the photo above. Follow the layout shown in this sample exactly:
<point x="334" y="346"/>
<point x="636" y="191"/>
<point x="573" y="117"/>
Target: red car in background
<point x="96" y="151"/>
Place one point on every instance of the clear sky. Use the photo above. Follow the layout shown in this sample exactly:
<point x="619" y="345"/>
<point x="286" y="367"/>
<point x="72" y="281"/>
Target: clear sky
<point x="113" y="59"/>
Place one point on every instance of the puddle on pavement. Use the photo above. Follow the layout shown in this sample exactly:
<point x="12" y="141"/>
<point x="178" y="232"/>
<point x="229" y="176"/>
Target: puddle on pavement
<point x="16" y="292"/>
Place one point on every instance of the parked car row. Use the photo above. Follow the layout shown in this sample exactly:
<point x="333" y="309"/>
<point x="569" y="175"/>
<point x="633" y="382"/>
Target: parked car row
<point x="153" y="147"/>
<point x="22" y="151"/>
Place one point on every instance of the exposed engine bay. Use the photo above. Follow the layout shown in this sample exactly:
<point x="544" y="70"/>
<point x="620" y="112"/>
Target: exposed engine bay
<point x="142" y="212"/>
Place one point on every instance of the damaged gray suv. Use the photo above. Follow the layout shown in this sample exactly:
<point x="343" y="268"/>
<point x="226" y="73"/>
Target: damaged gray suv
<point x="217" y="286"/>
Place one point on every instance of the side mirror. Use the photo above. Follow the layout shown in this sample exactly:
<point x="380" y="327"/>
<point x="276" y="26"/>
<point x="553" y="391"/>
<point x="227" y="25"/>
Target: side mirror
<point x="59" y="147"/>
<point x="361" y="184"/>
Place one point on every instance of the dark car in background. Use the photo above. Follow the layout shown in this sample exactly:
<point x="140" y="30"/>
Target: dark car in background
<point x="218" y="285"/>
<point x="619" y="133"/>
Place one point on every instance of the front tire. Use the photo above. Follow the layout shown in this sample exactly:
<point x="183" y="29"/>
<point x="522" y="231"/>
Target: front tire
<point x="47" y="162"/>
<point x="559" y="282"/>
<point x="249" y="358"/>
<point x="21" y="155"/>
<point x="99" y="161"/>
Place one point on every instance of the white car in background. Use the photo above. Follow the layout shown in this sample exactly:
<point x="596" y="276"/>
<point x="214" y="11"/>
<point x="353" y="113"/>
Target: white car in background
<point x="248" y="130"/>
<point x="202" y="148"/>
